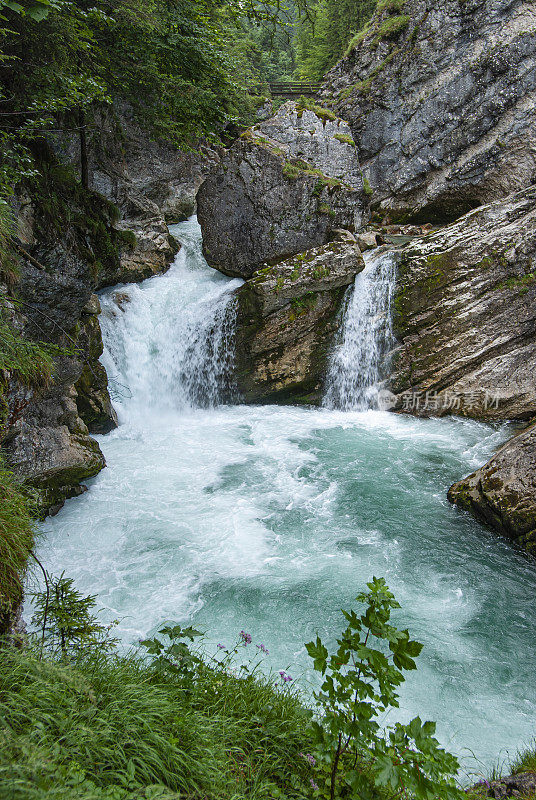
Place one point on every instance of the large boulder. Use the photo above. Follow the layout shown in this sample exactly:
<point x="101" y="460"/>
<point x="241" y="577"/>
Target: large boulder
<point x="502" y="493"/>
<point x="287" y="315"/>
<point x="280" y="190"/>
<point x="464" y="315"/>
<point x="441" y="100"/>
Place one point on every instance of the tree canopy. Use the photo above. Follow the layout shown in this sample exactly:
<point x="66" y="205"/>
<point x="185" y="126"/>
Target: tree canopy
<point x="187" y="67"/>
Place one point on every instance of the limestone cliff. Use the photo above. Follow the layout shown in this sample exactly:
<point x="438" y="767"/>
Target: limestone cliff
<point x="441" y="101"/>
<point x="465" y="315"/>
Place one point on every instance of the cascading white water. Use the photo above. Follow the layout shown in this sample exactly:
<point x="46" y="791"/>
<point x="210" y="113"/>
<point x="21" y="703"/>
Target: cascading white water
<point x="272" y="518"/>
<point x="357" y="363"/>
<point x="172" y="348"/>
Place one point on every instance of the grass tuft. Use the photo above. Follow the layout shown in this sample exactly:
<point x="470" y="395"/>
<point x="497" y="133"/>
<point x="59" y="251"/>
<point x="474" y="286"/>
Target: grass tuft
<point x="114" y="729"/>
<point x="16" y="541"/>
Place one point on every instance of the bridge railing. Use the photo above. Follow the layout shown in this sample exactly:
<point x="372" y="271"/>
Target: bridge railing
<point x="294" y="89"/>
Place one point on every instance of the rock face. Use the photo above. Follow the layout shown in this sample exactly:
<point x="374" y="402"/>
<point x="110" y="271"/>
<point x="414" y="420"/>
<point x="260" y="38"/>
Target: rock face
<point x="280" y="190"/>
<point x="465" y="315"/>
<point x="93" y="399"/>
<point x="150" y="182"/>
<point x="441" y="101"/>
<point x="47" y="442"/>
<point x="502" y="493"/>
<point x="317" y="136"/>
<point x="286" y="318"/>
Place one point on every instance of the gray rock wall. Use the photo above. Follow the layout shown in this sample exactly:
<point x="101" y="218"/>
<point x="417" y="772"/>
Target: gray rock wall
<point x="465" y="315"/>
<point x="287" y="315"/>
<point x="441" y="101"/>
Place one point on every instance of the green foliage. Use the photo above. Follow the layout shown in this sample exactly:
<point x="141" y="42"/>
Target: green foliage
<point x="391" y="27"/>
<point x="185" y="68"/>
<point x="86" y="723"/>
<point x="322" y="36"/>
<point x="525" y="761"/>
<point x="176" y="657"/>
<point x="386" y="24"/>
<point x="29" y="362"/>
<point x="22" y="360"/>
<point x="66" y="620"/>
<point x="9" y="268"/>
<point x="355" y="756"/>
<point x="36" y="9"/>
<point x="122" y="728"/>
<point x="16" y="542"/>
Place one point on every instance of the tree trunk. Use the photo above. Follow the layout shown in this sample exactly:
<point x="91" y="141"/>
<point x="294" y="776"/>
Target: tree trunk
<point x="84" y="169"/>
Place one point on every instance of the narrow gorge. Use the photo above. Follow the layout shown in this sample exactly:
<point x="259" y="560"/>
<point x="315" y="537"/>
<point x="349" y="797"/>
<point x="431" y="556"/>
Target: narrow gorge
<point x="257" y="351"/>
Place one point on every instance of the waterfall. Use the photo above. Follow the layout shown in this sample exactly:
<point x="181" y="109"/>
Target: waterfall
<point x="270" y="518"/>
<point x="169" y="342"/>
<point x="357" y="363"/>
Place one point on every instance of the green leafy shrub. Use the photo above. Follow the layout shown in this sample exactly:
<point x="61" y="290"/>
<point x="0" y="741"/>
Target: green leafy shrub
<point x="66" y="620"/>
<point x="180" y="722"/>
<point x="355" y="757"/>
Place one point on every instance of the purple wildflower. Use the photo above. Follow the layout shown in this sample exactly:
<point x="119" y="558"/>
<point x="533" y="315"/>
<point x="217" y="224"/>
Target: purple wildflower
<point x="313" y="784"/>
<point x="220" y="646"/>
<point x="246" y="637"/>
<point x="284" y="677"/>
<point x="311" y="759"/>
<point x="263" y="649"/>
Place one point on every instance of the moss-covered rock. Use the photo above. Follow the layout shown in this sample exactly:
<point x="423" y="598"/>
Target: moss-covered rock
<point x="502" y="493"/>
<point x="93" y="399"/>
<point x="281" y="189"/>
<point x="287" y="315"/>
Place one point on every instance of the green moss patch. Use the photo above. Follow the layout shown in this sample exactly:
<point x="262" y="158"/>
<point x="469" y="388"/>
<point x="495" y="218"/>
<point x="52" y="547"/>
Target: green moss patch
<point x="325" y="114"/>
<point x="521" y="283"/>
<point x="343" y="137"/>
<point x="391" y="27"/>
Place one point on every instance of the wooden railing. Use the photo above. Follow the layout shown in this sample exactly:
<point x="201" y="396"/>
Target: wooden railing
<point x="291" y="90"/>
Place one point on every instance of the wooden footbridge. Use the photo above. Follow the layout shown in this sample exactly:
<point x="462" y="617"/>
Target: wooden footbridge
<point x="290" y="91"/>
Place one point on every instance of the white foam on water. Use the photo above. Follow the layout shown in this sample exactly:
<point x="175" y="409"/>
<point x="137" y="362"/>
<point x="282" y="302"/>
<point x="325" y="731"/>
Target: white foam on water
<point x="271" y="519"/>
